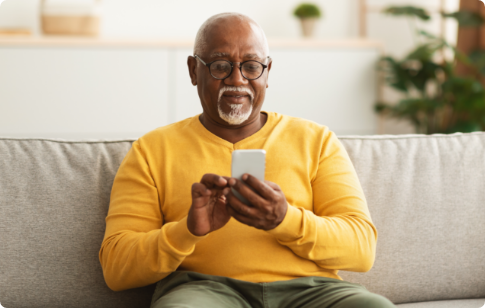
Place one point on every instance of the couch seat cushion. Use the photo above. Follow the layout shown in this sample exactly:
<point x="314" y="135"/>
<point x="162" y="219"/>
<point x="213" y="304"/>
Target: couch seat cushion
<point x="460" y="303"/>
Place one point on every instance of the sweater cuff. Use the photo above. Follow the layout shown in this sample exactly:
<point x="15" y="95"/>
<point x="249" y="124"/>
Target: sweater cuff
<point x="290" y="228"/>
<point x="180" y="237"/>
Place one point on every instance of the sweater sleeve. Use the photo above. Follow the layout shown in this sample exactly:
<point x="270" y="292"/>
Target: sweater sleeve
<point x="138" y="249"/>
<point x="338" y="234"/>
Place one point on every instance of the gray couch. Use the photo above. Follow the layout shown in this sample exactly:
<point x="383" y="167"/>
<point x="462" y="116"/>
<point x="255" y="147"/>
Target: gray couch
<point x="426" y="195"/>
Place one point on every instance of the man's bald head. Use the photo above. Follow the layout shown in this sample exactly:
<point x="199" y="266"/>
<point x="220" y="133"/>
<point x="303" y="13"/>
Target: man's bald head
<point x="227" y="20"/>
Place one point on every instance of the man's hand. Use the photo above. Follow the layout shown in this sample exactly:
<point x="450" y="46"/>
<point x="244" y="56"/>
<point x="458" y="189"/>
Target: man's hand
<point x="208" y="211"/>
<point x="268" y="203"/>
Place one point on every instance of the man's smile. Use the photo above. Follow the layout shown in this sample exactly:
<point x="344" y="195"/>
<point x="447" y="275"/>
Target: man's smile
<point x="235" y="97"/>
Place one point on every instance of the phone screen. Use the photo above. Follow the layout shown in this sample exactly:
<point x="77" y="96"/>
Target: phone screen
<point x="252" y="162"/>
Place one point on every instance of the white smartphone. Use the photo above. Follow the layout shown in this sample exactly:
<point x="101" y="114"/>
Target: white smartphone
<point x="252" y="162"/>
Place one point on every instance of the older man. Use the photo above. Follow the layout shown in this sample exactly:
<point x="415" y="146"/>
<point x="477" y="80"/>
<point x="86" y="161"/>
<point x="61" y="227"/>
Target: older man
<point x="174" y="220"/>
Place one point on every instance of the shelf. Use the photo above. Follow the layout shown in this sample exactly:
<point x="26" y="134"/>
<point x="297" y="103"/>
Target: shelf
<point x="59" y="41"/>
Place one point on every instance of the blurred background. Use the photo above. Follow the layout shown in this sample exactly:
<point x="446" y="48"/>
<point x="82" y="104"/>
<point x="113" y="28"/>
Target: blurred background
<point x="103" y="69"/>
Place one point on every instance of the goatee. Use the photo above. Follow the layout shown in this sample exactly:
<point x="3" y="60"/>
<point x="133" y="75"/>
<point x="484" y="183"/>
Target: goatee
<point x="236" y="116"/>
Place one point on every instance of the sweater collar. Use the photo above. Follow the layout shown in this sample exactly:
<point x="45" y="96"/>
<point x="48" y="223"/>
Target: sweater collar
<point x="200" y="129"/>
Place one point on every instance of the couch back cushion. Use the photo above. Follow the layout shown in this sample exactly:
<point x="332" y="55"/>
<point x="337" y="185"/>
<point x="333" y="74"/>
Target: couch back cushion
<point x="426" y="195"/>
<point x="54" y="198"/>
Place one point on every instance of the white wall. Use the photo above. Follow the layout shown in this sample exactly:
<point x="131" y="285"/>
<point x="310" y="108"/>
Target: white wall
<point x="82" y="92"/>
<point x="125" y="91"/>
<point x="181" y="19"/>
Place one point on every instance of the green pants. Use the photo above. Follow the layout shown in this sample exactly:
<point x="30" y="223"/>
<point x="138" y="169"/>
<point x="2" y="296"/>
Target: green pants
<point x="190" y="289"/>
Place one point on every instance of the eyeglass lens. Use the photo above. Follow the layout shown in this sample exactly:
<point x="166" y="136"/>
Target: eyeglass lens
<point x="250" y="69"/>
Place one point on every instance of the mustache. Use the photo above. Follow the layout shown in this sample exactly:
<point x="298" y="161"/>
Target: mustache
<point x="235" y="89"/>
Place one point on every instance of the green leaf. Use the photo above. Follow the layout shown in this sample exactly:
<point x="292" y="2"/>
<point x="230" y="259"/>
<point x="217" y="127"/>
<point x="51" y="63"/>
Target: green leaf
<point x="426" y="51"/>
<point x="448" y="68"/>
<point x="307" y="10"/>
<point x="381" y="107"/>
<point x="415" y="105"/>
<point x="466" y="18"/>
<point x="477" y="58"/>
<point x="395" y="75"/>
<point x="410" y="11"/>
<point x="423" y="53"/>
<point x="425" y="74"/>
<point x="427" y="34"/>
<point x="466" y="94"/>
<point x="465" y="127"/>
<point x="418" y="67"/>
<point x="410" y="72"/>
<point x="438" y="43"/>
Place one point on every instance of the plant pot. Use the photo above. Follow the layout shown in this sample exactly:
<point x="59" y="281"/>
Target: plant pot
<point x="308" y="26"/>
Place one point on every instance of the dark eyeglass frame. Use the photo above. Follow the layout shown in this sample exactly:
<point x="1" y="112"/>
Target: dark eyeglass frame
<point x="232" y="67"/>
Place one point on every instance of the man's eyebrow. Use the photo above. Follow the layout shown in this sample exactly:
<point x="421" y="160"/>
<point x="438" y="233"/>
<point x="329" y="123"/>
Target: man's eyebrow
<point x="252" y="56"/>
<point x="219" y="55"/>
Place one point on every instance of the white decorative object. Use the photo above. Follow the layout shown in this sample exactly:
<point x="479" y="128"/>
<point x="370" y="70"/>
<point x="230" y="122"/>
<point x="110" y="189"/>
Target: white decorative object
<point x="71" y="17"/>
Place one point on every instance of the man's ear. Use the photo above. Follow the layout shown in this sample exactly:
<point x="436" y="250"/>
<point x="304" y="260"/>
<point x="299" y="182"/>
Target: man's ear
<point x="268" y="68"/>
<point x="192" y="65"/>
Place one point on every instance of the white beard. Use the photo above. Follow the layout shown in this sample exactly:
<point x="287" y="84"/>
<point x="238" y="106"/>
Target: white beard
<point x="236" y="116"/>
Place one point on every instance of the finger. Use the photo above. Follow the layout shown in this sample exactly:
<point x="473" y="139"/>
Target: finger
<point x="231" y="181"/>
<point x="253" y="198"/>
<point x="211" y="180"/>
<point x="200" y="190"/>
<point x="249" y="221"/>
<point x="262" y="188"/>
<point x="239" y="217"/>
<point x="274" y="186"/>
<point x="226" y="191"/>
<point x="239" y="207"/>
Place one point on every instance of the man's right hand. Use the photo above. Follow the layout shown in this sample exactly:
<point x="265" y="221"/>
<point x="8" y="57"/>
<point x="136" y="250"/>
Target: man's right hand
<point x="208" y="210"/>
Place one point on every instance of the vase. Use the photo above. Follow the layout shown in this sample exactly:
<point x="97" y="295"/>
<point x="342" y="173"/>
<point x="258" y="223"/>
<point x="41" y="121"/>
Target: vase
<point x="308" y="26"/>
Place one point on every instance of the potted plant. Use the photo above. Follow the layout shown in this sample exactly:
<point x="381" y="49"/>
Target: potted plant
<point x="308" y="13"/>
<point x="435" y="99"/>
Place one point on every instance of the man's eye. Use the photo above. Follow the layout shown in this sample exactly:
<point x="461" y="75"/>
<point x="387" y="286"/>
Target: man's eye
<point x="252" y="68"/>
<point x="220" y="67"/>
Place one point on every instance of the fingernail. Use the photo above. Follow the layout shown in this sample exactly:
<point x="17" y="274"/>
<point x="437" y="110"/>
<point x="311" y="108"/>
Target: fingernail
<point x="245" y="177"/>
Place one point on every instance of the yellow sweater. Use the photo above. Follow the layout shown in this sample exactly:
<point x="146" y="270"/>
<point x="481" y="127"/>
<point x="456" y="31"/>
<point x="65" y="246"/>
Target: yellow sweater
<point x="327" y="226"/>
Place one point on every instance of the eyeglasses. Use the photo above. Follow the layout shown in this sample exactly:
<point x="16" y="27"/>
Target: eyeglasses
<point x="221" y="69"/>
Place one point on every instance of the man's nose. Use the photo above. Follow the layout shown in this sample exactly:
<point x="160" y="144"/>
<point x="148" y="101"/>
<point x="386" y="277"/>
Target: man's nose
<point x="236" y="78"/>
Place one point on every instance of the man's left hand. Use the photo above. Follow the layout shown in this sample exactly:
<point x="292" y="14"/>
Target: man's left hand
<point x="268" y="203"/>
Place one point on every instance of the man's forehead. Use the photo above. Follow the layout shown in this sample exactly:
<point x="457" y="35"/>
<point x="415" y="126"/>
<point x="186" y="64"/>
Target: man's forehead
<point x="234" y="35"/>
